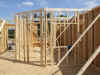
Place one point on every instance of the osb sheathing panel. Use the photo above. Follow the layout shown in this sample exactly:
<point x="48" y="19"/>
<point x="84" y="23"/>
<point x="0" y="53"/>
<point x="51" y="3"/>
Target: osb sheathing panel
<point x="96" y="11"/>
<point x="35" y="37"/>
<point x="63" y="40"/>
<point x="82" y="43"/>
<point x="74" y="36"/>
<point x="92" y="39"/>
<point x="85" y="39"/>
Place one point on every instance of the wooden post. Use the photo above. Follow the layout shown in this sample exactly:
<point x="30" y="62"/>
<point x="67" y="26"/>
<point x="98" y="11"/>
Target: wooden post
<point x="41" y="38"/>
<point x="15" y="19"/>
<point x="51" y="39"/>
<point x="78" y="31"/>
<point x="17" y="37"/>
<point x="45" y="29"/>
<point x="27" y="37"/>
<point x="23" y="29"/>
<point x="59" y="50"/>
<point x="54" y="40"/>
<point x="67" y="59"/>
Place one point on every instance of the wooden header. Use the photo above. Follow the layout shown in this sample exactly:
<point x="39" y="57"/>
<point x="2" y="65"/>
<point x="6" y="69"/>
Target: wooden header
<point x="66" y="9"/>
<point x="53" y="9"/>
<point x="31" y="11"/>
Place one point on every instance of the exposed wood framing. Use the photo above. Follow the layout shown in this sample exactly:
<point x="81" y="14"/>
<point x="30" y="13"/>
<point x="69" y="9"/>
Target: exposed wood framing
<point x="59" y="39"/>
<point x="3" y="36"/>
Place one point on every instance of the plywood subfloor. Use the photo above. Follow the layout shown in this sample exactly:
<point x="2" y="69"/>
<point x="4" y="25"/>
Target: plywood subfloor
<point x="10" y="67"/>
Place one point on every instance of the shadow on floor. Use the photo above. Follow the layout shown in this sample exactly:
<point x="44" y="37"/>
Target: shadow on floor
<point x="16" y="61"/>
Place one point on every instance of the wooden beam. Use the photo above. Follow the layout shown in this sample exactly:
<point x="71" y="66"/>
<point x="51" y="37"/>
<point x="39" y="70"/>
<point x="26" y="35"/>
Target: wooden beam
<point x="31" y="11"/>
